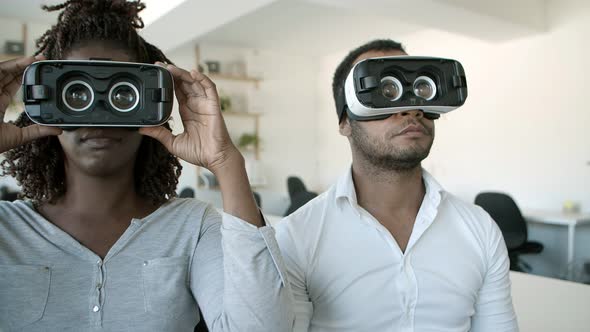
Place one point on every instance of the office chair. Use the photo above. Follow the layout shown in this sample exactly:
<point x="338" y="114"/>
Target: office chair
<point x="298" y="194"/>
<point x="186" y="192"/>
<point x="257" y="199"/>
<point x="201" y="326"/>
<point x="503" y="209"/>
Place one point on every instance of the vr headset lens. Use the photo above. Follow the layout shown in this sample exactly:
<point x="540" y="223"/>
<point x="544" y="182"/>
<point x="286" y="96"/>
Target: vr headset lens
<point x="77" y="96"/>
<point x="123" y="97"/>
<point x="391" y="88"/>
<point x="424" y="87"/>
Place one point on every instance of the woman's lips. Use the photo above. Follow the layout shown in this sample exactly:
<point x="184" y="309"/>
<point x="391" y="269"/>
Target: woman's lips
<point x="100" y="142"/>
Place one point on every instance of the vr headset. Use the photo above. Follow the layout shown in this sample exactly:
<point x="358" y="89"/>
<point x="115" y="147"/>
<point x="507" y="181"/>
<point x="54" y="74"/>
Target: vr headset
<point x="376" y="88"/>
<point x="75" y="93"/>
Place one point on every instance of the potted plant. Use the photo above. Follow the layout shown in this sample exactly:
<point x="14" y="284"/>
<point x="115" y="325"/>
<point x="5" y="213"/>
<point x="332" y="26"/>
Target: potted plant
<point x="248" y="141"/>
<point x="224" y="103"/>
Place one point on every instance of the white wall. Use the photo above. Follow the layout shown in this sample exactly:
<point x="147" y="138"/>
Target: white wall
<point x="287" y="101"/>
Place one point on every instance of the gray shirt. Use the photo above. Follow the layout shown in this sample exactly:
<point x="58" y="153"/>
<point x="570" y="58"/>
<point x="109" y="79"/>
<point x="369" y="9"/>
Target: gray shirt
<point x="150" y="280"/>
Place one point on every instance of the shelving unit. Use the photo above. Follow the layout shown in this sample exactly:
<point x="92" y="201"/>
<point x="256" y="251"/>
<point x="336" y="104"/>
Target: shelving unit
<point x="220" y="79"/>
<point x="24" y="32"/>
<point x="247" y="79"/>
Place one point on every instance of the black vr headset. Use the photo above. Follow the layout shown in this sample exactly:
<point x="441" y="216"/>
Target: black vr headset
<point x="376" y="88"/>
<point x="75" y="93"/>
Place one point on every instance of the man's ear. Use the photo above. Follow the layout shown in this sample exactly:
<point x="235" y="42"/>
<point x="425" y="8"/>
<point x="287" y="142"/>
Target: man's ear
<point x="344" y="127"/>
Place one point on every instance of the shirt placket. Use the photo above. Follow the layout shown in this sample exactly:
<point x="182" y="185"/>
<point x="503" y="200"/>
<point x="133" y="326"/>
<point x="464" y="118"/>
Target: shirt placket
<point x="408" y="289"/>
<point x="97" y="295"/>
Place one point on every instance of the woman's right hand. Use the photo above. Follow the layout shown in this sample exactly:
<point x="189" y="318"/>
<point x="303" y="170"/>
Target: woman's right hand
<point x="11" y="136"/>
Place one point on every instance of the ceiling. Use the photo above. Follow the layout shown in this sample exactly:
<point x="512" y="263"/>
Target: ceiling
<point x="317" y="26"/>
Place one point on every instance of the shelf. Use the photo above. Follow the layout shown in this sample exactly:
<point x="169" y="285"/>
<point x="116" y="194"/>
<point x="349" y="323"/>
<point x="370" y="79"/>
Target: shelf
<point x="5" y="57"/>
<point x="244" y="114"/>
<point x="228" y="77"/>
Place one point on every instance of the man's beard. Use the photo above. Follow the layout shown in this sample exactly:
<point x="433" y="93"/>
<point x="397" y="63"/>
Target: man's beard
<point x="383" y="156"/>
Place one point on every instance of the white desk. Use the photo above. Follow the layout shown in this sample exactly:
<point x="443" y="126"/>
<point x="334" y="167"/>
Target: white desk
<point x="571" y="220"/>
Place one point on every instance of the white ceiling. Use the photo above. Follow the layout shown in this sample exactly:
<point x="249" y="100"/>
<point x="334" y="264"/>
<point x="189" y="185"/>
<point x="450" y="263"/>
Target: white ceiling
<point x="319" y="26"/>
<point x="305" y="28"/>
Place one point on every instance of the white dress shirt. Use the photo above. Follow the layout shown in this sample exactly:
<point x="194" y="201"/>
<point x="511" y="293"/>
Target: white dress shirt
<point x="347" y="272"/>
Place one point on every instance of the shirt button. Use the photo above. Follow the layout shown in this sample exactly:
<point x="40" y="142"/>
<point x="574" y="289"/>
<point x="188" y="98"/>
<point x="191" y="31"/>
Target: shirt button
<point x="98" y="285"/>
<point x="145" y="263"/>
<point x="96" y="308"/>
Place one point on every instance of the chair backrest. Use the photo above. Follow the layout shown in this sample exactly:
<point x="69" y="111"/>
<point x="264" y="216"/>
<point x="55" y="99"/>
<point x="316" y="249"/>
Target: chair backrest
<point x="258" y="199"/>
<point x="299" y="200"/>
<point x="187" y="192"/>
<point x="295" y="185"/>
<point x="503" y="209"/>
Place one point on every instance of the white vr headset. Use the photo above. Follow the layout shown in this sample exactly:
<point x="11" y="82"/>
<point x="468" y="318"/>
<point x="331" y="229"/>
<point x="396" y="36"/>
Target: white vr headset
<point x="376" y="88"/>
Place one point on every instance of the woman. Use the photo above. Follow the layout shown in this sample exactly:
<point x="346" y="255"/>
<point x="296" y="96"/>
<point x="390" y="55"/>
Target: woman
<point x="101" y="241"/>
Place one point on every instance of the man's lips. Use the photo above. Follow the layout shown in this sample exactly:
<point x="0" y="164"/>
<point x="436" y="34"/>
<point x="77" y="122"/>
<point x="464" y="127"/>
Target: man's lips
<point x="414" y="130"/>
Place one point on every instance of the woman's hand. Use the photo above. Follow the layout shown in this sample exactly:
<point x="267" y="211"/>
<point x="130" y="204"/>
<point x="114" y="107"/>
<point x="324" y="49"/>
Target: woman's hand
<point x="11" y="136"/>
<point x="205" y="141"/>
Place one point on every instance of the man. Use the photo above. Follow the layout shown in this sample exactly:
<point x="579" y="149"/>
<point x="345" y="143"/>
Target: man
<point x="386" y="248"/>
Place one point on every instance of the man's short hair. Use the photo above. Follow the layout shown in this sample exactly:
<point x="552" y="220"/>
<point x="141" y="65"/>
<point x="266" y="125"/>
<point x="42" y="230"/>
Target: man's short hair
<point x="346" y="65"/>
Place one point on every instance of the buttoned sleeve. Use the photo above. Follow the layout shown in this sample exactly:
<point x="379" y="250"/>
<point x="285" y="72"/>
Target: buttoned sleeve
<point x="238" y="278"/>
<point x="296" y="263"/>
<point x="494" y="311"/>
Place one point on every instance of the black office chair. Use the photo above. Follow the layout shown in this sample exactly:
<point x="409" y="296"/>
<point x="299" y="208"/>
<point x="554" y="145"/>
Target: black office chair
<point x="503" y="209"/>
<point x="257" y="199"/>
<point x="187" y="192"/>
<point x="298" y="194"/>
<point x="201" y="326"/>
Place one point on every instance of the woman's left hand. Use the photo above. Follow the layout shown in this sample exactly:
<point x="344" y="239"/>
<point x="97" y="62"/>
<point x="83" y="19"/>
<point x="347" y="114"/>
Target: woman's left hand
<point x="205" y="141"/>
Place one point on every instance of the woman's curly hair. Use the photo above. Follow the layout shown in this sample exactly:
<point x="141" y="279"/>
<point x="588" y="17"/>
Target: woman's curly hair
<point x="39" y="165"/>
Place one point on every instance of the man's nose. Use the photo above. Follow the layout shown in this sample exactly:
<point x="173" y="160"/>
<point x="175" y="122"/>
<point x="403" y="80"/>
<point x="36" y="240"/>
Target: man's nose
<point x="413" y="113"/>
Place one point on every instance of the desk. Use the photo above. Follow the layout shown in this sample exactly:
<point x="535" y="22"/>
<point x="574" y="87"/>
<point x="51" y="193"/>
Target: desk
<point x="571" y="220"/>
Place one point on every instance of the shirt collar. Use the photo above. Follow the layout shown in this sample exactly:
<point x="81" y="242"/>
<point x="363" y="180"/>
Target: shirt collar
<point x="345" y="189"/>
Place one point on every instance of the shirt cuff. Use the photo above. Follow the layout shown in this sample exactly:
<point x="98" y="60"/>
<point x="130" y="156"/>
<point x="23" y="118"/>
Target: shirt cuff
<point x="233" y="226"/>
<point x="234" y="223"/>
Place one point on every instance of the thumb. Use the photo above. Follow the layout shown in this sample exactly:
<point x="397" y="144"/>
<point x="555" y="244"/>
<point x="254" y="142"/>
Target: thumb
<point x="35" y="131"/>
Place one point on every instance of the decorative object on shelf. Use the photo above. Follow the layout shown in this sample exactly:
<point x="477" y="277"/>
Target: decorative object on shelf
<point x="224" y="103"/>
<point x="212" y="67"/>
<point x="571" y="207"/>
<point x="248" y="141"/>
<point x="201" y="69"/>
<point x="12" y="47"/>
